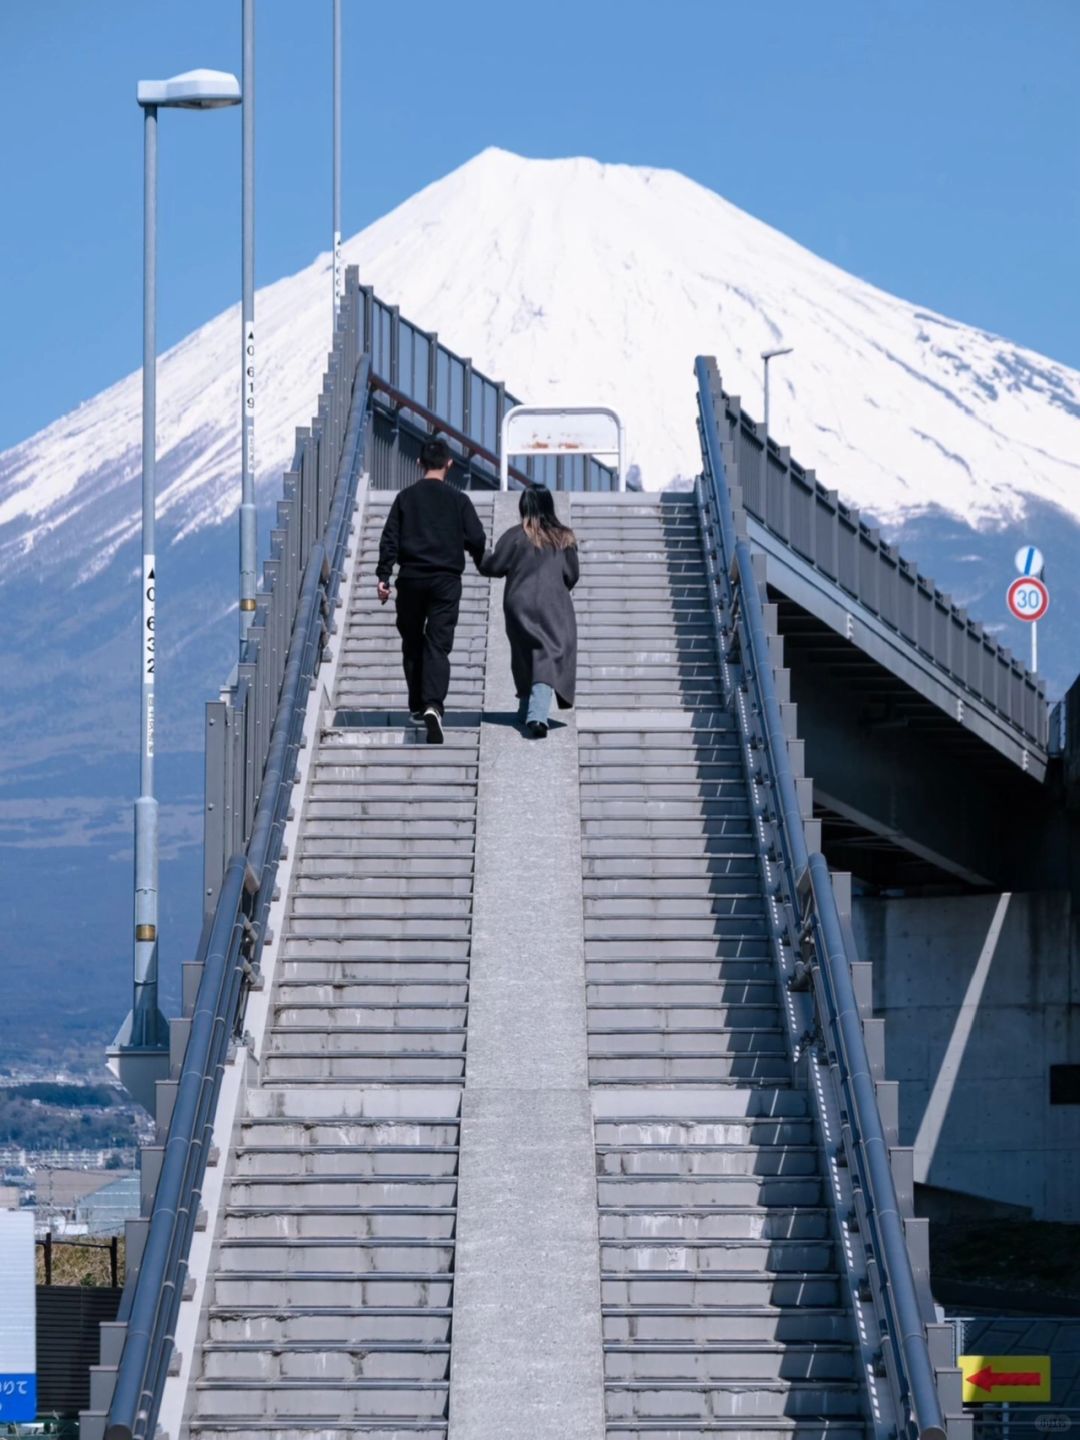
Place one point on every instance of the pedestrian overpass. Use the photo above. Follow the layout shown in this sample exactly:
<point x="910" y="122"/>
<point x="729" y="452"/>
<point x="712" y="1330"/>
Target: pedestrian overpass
<point x="534" y="1090"/>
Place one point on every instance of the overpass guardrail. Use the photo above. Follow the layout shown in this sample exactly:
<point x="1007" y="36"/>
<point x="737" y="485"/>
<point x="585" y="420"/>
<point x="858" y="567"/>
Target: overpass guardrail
<point x="841" y="546"/>
<point x="905" y="1353"/>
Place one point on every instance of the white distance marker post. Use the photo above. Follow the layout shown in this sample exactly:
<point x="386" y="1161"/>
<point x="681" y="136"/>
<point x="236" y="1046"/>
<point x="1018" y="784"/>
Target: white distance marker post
<point x="1029" y="562"/>
<point x="149" y="608"/>
<point x="18" y="1349"/>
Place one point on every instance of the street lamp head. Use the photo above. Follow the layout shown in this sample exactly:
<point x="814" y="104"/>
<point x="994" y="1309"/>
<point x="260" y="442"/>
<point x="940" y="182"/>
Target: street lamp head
<point x="772" y="354"/>
<point x="194" y="90"/>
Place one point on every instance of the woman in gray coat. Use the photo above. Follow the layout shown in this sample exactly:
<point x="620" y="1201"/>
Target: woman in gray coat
<point x="540" y="562"/>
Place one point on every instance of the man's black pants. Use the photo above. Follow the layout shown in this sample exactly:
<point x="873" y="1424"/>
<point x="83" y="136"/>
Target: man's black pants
<point x="427" y="615"/>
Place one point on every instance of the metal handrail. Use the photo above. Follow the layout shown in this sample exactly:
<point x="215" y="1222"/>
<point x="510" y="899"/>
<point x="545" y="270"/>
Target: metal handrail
<point x="905" y="1330"/>
<point x="229" y="956"/>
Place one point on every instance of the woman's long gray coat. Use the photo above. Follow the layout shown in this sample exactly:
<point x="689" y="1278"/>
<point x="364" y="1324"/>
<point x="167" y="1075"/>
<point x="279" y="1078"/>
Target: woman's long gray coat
<point x="539" y="612"/>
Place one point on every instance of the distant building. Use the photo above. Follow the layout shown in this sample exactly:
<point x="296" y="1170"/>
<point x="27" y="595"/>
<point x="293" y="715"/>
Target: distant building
<point x="104" y="1211"/>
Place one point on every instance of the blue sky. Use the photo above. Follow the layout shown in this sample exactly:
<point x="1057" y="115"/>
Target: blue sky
<point x="928" y="147"/>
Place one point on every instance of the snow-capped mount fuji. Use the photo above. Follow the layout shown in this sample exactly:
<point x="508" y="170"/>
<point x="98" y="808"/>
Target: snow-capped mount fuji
<point x="571" y="281"/>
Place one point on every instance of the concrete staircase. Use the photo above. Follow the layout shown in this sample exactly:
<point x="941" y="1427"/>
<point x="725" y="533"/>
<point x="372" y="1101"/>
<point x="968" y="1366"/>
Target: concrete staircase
<point x="721" y="1288"/>
<point x="329" y="1310"/>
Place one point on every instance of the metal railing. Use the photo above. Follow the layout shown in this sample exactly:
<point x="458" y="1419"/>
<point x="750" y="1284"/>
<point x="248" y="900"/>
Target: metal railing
<point x="262" y="726"/>
<point x="836" y="542"/>
<point x="809" y="885"/>
<point x="240" y="725"/>
<point x="421" y="385"/>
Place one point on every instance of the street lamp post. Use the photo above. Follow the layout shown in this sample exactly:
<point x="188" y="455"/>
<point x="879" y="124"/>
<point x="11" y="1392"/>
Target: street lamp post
<point x="135" y="1054"/>
<point x="766" y="356"/>
<point x="337" y="158"/>
<point x="248" y="523"/>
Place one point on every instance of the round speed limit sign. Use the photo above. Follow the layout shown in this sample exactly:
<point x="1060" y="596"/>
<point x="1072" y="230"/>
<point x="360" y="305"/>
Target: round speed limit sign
<point x="1028" y="598"/>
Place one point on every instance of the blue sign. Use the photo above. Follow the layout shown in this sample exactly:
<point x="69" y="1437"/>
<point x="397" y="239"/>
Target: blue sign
<point x="18" y="1397"/>
<point x="18" y="1338"/>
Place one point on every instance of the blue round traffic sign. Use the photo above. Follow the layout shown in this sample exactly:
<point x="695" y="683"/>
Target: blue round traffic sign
<point x="1028" y="598"/>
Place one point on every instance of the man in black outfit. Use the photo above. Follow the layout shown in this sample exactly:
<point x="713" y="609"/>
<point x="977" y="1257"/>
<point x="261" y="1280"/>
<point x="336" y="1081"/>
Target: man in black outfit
<point x="427" y="532"/>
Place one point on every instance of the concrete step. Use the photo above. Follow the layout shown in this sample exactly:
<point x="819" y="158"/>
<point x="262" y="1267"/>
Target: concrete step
<point x="366" y="1040"/>
<point x="334" y="1329"/>
<point x="739" y="1427"/>
<point x="704" y="1067"/>
<point x="341" y="1223"/>
<point x="692" y="834"/>
<point x="358" y="993"/>
<point x="699" y="900"/>
<point x="776" y="1124"/>
<point x="719" y="1288"/>
<point x="729" y="1223"/>
<point x="387" y="826"/>
<point x="621" y="1017"/>
<point x="614" y="969"/>
<point x="673" y="928"/>
<point x="332" y="1258"/>
<point x="331" y="1292"/>
<point x="412" y="853"/>
<point x="312" y="1400"/>
<point x="289" y="1429"/>
<point x="423" y="811"/>
<point x="719" y="1041"/>
<point x="686" y="1401"/>
<point x="376" y="947"/>
<point x="407" y="1017"/>
<point x="710" y="993"/>
<point x="369" y="1067"/>
<point x="753" y="1148"/>
<point x="668" y="874"/>
<point x="657" y="948"/>
<point x="733" y="1361"/>
<point x="689" y="1328"/>
<point x="355" y="882"/>
<point x="417" y="907"/>
<point x="320" y="969"/>
<point x="728" y="1257"/>
<point x="697" y="1192"/>
<point x="378" y="1161"/>
<point x="303" y="1360"/>
<point x="321" y="1192"/>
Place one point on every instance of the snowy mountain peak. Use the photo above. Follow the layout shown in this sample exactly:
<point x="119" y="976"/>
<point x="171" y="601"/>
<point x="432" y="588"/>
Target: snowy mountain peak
<point x="571" y="278"/>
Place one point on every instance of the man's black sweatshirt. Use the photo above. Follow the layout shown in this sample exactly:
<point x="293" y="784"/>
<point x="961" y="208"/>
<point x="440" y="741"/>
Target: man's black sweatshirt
<point x="428" y="530"/>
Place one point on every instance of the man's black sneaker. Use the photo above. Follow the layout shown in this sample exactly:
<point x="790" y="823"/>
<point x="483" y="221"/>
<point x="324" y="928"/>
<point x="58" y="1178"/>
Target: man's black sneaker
<point x="537" y="729"/>
<point x="416" y="716"/>
<point x="433" y="721"/>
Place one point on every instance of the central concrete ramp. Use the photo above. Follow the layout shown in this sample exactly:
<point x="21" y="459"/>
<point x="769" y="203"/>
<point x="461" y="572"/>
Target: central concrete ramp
<point x="527" y="1353"/>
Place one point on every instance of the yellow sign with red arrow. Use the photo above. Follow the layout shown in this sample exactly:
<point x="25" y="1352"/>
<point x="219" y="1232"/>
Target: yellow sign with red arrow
<point x="992" y="1379"/>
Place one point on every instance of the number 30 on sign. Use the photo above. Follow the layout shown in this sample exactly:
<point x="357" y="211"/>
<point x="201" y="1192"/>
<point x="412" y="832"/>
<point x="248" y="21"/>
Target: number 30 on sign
<point x="1028" y="598"/>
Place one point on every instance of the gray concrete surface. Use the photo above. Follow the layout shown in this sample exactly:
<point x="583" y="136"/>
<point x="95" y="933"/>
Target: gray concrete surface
<point x="980" y="998"/>
<point x="527" y="1351"/>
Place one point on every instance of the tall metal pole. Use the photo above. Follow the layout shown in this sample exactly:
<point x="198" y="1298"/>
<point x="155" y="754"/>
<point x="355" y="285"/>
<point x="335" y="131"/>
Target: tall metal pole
<point x="337" y="157"/>
<point x="765" y="447"/>
<point x="248" y="536"/>
<point x="145" y="1019"/>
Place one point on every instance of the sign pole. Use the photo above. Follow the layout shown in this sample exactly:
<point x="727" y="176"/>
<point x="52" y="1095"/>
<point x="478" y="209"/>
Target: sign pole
<point x="1034" y="646"/>
<point x="337" y="158"/>
<point x="145" y="1028"/>
<point x="248" y="538"/>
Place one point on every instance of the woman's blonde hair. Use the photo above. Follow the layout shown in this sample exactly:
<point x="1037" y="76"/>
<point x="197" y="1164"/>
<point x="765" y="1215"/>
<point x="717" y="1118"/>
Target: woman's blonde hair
<point x="539" y="521"/>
